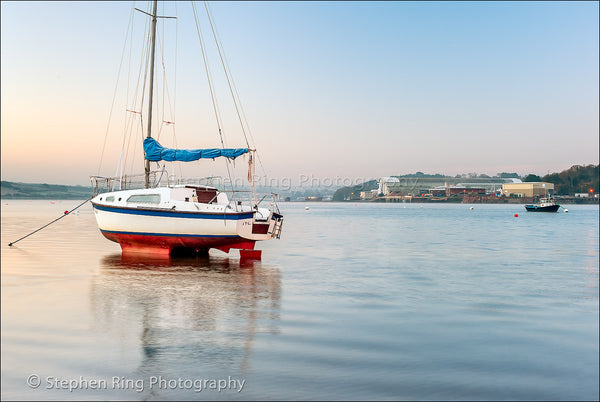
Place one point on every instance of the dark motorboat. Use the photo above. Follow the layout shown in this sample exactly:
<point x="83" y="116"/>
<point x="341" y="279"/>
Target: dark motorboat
<point x="545" y="205"/>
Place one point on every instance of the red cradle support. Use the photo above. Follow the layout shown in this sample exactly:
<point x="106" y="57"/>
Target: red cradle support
<point x="250" y="254"/>
<point x="245" y="245"/>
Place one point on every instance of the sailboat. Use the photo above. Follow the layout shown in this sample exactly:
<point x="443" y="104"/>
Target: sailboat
<point x="161" y="219"/>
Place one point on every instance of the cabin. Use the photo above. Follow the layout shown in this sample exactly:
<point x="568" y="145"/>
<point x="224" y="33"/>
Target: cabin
<point x="201" y="194"/>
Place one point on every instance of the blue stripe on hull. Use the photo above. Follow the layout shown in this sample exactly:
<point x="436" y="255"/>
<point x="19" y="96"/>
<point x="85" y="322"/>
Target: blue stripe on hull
<point x="163" y="234"/>
<point x="174" y="214"/>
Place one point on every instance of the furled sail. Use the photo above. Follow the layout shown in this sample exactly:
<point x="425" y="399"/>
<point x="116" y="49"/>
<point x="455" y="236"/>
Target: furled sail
<point x="156" y="152"/>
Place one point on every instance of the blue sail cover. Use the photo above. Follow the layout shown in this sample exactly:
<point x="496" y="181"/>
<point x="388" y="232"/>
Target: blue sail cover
<point x="156" y="152"/>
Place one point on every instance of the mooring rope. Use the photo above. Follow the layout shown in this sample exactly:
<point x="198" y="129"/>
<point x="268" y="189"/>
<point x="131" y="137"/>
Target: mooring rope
<point x="48" y="224"/>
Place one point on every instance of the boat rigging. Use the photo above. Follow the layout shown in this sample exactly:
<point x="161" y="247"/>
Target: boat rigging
<point x="159" y="218"/>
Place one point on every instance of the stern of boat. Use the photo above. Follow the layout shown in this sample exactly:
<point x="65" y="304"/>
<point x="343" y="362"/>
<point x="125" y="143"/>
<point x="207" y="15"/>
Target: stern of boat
<point x="259" y="228"/>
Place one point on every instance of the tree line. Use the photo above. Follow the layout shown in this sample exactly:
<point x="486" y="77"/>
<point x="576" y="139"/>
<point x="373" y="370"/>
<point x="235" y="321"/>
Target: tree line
<point x="576" y="179"/>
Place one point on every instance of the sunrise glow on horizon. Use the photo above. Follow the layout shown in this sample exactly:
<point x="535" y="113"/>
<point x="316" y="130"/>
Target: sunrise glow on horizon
<point x="330" y="89"/>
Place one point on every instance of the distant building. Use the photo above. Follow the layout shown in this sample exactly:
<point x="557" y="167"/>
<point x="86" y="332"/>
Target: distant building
<point x="396" y="197"/>
<point x="465" y="190"/>
<point x="530" y="189"/>
<point x="420" y="185"/>
<point x="368" y="195"/>
<point x="439" y="191"/>
<point x="388" y="185"/>
<point x="447" y="190"/>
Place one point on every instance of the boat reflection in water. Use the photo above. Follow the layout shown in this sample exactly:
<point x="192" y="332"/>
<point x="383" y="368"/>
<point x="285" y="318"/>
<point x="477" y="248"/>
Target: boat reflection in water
<point x="186" y="317"/>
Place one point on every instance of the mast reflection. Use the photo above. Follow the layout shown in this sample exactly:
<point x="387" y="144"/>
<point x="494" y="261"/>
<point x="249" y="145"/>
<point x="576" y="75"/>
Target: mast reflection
<point x="189" y="315"/>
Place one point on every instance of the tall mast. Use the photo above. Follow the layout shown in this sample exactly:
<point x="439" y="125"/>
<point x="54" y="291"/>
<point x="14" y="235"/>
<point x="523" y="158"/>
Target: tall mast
<point x="149" y="134"/>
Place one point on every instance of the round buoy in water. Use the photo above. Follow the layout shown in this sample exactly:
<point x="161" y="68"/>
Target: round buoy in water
<point x="471" y="208"/>
<point x="66" y="212"/>
<point x="566" y="210"/>
<point x="306" y="208"/>
<point x="516" y="215"/>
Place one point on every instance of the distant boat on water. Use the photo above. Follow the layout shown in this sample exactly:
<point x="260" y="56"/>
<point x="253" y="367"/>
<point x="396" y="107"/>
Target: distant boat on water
<point x="546" y="204"/>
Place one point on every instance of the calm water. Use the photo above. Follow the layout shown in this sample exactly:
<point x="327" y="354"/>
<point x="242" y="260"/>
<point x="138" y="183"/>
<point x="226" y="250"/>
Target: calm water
<point x="403" y="301"/>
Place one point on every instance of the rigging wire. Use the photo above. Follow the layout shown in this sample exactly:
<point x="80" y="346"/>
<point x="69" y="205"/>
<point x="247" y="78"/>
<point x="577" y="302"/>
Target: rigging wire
<point x="134" y="102"/>
<point x="146" y="51"/>
<point x="115" y="92"/>
<point x="132" y="130"/>
<point x="232" y="87"/>
<point x="165" y="93"/>
<point x="123" y="158"/>
<point x="210" y="80"/>
<point x="225" y="70"/>
<point x="175" y="80"/>
<point x="212" y="94"/>
<point x="165" y="89"/>
<point x="236" y="100"/>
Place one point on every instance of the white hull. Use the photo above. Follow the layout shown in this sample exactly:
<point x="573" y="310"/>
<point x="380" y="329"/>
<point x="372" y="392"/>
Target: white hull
<point x="161" y="222"/>
<point x="124" y="220"/>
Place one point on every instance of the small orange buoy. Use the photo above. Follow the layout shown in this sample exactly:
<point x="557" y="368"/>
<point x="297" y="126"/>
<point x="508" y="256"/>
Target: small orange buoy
<point x="516" y="215"/>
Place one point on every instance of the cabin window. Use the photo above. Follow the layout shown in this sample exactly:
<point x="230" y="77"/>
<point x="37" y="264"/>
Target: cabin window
<point x="206" y="196"/>
<point x="145" y="198"/>
<point x="109" y="199"/>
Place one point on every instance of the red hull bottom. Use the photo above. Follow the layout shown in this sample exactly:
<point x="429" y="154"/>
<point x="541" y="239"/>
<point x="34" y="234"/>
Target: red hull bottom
<point x="164" y="245"/>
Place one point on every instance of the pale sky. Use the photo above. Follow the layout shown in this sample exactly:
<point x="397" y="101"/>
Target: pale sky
<point x="330" y="89"/>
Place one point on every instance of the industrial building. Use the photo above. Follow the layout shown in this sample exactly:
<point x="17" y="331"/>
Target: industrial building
<point x="455" y="190"/>
<point x="368" y="195"/>
<point x="531" y="189"/>
<point x="417" y="186"/>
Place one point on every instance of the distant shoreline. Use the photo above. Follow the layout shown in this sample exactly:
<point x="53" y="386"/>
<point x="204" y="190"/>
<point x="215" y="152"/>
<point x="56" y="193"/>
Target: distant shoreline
<point x="562" y="200"/>
<point x="566" y="200"/>
<point x="42" y="191"/>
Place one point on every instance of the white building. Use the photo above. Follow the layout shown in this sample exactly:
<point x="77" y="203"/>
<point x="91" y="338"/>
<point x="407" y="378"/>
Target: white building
<point x="368" y="195"/>
<point x="383" y="185"/>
